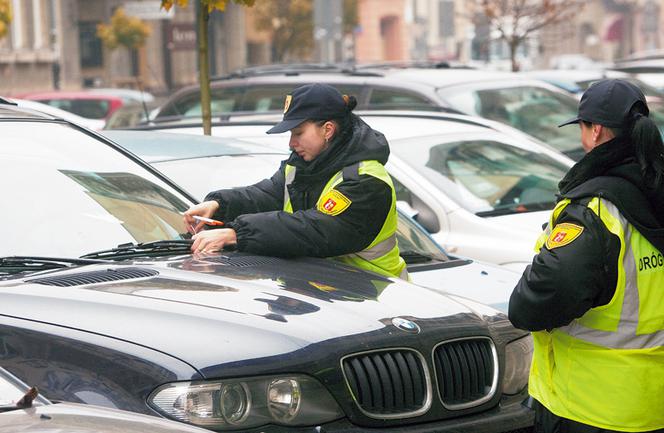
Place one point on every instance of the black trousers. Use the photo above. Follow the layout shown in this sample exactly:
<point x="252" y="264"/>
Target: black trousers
<point x="548" y="422"/>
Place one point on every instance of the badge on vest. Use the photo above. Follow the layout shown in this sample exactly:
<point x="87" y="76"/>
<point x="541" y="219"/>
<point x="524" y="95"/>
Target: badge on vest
<point x="563" y="234"/>
<point x="333" y="203"/>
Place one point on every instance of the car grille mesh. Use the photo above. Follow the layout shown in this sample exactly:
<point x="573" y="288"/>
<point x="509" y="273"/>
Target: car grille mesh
<point x="387" y="382"/>
<point x="94" y="277"/>
<point x="464" y="371"/>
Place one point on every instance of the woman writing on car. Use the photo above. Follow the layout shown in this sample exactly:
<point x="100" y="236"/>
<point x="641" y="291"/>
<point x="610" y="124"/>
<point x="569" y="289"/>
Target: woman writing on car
<point x="331" y="198"/>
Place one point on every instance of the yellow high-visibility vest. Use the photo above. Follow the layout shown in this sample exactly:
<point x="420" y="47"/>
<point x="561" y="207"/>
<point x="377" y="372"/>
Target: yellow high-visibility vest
<point x="382" y="255"/>
<point x="606" y="369"/>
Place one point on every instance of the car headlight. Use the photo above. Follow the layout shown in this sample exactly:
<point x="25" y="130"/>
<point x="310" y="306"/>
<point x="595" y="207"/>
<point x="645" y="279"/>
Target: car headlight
<point x="518" y="356"/>
<point x="251" y="402"/>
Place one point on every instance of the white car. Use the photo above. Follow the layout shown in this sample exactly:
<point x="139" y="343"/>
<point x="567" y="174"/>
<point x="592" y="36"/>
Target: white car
<point x="482" y="189"/>
<point x="199" y="164"/>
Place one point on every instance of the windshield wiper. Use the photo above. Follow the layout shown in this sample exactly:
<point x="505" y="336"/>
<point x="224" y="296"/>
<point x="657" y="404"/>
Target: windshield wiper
<point x="18" y="264"/>
<point x="411" y="257"/>
<point x="517" y="208"/>
<point x="155" y="248"/>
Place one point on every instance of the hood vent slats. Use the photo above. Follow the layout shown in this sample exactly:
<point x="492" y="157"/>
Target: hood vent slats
<point x="95" y="277"/>
<point x="245" y="261"/>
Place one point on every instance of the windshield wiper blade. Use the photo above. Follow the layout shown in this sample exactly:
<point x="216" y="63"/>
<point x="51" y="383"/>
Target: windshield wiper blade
<point x="148" y="248"/>
<point x="17" y="264"/>
<point x="411" y="257"/>
<point x="517" y="208"/>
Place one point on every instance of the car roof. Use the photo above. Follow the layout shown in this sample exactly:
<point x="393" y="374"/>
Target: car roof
<point x="156" y="146"/>
<point x="10" y="110"/>
<point x="417" y="77"/>
<point x="448" y="77"/>
<point x="70" y="95"/>
<point x="575" y="74"/>
<point x="449" y="123"/>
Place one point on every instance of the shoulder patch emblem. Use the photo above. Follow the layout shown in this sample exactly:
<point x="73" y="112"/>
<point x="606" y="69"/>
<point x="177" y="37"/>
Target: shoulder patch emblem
<point x="563" y="234"/>
<point x="287" y="102"/>
<point x="333" y="203"/>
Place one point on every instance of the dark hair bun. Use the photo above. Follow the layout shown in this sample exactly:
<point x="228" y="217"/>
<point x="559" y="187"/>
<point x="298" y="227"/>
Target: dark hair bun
<point x="351" y="102"/>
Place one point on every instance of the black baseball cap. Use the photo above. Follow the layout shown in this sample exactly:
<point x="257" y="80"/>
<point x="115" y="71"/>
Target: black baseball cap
<point x="608" y="103"/>
<point x="310" y="102"/>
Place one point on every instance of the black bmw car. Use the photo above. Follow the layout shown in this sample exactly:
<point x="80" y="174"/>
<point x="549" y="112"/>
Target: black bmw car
<point x="101" y="303"/>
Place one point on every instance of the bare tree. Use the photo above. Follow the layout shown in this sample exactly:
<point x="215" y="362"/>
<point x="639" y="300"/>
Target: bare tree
<point x="517" y="20"/>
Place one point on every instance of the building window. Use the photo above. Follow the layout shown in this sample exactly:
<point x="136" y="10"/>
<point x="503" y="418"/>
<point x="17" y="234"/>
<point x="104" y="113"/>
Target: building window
<point x="90" y="45"/>
<point x="446" y="19"/>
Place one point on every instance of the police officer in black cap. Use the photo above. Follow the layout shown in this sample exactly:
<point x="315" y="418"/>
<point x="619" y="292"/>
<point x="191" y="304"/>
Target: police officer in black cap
<point x="331" y="198"/>
<point x="594" y="294"/>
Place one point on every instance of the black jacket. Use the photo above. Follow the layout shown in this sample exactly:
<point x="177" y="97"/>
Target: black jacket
<point x="262" y="227"/>
<point x="563" y="283"/>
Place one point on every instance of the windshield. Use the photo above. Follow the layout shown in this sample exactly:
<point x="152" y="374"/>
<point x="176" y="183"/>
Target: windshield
<point x="486" y="177"/>
<point x="71" y="194"/>
<point x="537" y="111"/>
<point x="414" y="240"/>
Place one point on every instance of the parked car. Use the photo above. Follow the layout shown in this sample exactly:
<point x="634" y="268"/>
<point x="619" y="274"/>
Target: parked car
<point x="101" y="302"/>
<point x="44" y="416"/>
<point x="85" y="104"/>
<point x="127" y="95"/>
<point x="233" y="163"/>
<point x="56" y="112"/>
<point x="532" y="106"/>
<point x="649" y="69"/>
<point x="482" y="189"/>
<point x="130" y="114"/>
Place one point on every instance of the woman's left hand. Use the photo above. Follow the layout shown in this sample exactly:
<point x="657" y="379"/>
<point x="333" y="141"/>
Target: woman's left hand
<point x="213" y="240"/>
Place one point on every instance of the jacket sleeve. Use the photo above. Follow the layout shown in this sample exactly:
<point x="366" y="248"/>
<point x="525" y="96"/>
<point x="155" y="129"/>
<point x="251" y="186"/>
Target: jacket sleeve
<point x="564" y="282"/>
<point x="314" y="233"/>
<point x="266" y="195"/>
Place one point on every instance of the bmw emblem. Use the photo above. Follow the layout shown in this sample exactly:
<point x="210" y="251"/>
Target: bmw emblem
<point x="406" y="325"/>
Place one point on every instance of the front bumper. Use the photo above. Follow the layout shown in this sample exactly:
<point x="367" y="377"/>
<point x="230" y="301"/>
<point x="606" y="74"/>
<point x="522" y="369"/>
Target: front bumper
<point x="509" y="416"/>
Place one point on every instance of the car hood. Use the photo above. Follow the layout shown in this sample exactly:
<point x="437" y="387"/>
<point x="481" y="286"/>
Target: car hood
<point x="528" y="223"/>
<point x="229" y="307"/>
<point x="483" y="282"/>
<point x="77" y="418"/>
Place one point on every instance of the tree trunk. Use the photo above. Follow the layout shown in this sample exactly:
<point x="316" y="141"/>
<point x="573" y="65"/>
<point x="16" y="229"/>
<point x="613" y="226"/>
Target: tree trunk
<point x="204" y="68"/>
<point x="514" y="44"/>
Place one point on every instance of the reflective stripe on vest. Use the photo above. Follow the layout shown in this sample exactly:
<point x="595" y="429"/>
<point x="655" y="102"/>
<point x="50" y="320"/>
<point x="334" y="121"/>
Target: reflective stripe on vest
<point x="606" y="368"/>
<point x="382" y="255"/>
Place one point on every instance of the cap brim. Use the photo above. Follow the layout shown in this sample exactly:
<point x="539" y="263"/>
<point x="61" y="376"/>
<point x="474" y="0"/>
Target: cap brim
<point x="284" y="125"/>
<point x="570" y="122"/>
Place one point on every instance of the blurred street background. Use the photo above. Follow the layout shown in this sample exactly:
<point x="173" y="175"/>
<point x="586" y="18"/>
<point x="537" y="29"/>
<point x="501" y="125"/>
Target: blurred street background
<point x="60" y="45"/>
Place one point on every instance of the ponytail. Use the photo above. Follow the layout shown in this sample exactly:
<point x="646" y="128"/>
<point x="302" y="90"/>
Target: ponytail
<point x="648" y="145"/>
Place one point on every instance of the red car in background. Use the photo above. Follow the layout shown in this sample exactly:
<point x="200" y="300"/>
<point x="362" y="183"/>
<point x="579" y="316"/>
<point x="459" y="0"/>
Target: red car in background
<point x="85" y="104"/>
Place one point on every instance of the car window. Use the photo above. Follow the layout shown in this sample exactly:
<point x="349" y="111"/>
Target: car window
<point x="484" y="176"/>
<point x="261" y="98"/>
<point x="413" y="238"/>
<point x="88" y="108"/>
<point x="223" y="100"/>
<point x="90" y="196"/>
<point x="395" y="99"/>
<point x="534" y="110"/>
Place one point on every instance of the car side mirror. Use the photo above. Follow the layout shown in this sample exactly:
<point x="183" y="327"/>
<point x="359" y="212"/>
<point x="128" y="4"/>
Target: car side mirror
<point x="425" y="216"/>
<point x="406" y="208"/>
